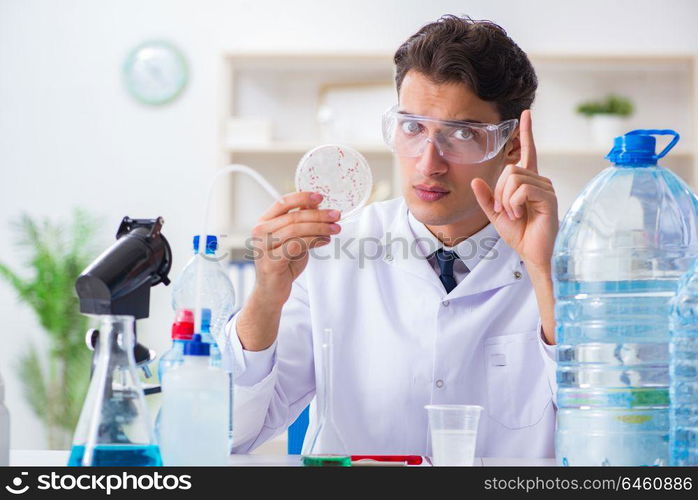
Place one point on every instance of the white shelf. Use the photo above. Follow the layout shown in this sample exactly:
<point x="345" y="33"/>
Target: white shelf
<point x="300" y="147"/>
<point x="284" y="88"/>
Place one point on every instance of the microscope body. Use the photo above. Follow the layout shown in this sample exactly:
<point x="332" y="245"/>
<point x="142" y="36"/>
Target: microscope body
<point x="118" y="282"/>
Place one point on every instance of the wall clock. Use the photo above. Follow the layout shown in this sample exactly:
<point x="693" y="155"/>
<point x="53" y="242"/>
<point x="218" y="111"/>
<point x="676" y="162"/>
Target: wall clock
<point x="155" y="73"/>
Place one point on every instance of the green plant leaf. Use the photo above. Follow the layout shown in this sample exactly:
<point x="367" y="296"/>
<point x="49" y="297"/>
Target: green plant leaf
<point x="35" y="392"/>
<point x="54" y="254"/>
<point x="610" y="105"/>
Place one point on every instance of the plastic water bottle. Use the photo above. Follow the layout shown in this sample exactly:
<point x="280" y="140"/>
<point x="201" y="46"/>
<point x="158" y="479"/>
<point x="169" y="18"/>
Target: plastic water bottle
<point x="194" y="420"/>
<point x="216" y="290"/>
<point x="216" y="359"/>
<point x="4" y="428"/>
<point x="683" y="351"/>
<point x="619" y="255"/>
<point x="182" y="331"/>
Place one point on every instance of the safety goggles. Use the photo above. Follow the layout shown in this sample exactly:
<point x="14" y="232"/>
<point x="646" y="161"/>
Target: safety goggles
<point x="458" y="142"/>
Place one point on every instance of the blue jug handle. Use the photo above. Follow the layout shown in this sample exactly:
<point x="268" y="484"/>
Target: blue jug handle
<point x="659" y="132"/>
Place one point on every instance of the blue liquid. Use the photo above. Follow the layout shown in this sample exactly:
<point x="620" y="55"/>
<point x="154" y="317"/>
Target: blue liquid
<point x="118" y="455"/>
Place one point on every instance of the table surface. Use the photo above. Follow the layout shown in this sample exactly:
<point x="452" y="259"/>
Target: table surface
<point x="58" y="458"/>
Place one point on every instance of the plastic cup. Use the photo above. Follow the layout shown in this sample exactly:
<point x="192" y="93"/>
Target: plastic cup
<point x="453" y="433"/>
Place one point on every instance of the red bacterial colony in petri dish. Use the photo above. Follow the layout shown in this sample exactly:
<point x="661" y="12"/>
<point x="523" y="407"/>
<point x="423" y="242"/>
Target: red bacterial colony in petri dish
<point x="341" y="174"/>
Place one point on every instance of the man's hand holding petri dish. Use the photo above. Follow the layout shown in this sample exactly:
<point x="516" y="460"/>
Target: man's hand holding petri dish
<point x="333" y="181"/>
<point x="283" y="237"/>
<point x="281" y="241"/>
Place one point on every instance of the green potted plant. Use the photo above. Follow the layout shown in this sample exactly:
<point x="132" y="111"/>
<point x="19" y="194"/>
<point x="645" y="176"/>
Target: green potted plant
<point x="607" y="117"/>
<point x="54" y="379"/>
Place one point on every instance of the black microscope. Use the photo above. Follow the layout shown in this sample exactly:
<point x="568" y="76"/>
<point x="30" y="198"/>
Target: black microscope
<point x="118" y="282"/>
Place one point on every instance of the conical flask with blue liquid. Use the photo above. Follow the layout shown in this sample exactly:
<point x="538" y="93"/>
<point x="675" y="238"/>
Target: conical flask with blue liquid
<point x="114" y="427"/>
<point x="621" y="250"/>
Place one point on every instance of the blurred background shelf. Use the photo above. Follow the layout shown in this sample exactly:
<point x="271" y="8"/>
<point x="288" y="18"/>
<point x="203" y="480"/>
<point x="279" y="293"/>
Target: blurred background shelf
<point x="277" y="106"/>
<point x="600" y="153"/>
<point x="281" y="148"/>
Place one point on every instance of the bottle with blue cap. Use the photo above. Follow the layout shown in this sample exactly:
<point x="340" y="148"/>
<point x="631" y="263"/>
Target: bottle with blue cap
<point x="194" y="413"/>
<point x="204" y="288"/>
<point x="620" y="252"/>
<point x="204" y="276"/>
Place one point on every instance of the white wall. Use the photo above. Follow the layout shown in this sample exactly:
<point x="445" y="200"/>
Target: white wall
<point x="71" y="136"/>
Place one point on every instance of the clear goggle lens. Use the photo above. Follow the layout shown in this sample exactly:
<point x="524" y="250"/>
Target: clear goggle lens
<point x="456" y="141"/>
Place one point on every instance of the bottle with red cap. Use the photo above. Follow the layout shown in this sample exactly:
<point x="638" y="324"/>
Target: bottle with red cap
<point x="182" y="331"/>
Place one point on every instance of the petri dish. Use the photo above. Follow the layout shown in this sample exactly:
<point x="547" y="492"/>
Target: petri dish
<point x="339" y="173"/>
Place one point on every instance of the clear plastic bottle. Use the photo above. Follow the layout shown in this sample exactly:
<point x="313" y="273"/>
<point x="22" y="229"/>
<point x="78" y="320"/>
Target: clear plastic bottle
<point x="620" y="252"/>
<point x="182" y="331"/>
<point x="194" y="418"/>
<point x="217" y="302"/>
<point x="114" y="427"/>
<point x="216" y="291"/>
<point x="216" y="360"/>
<point x="683" y="351"/>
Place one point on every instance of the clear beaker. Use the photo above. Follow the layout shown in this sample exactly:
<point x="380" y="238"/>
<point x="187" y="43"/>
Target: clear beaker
<point x="453" y="433"/>
<point x="114" y="426"/>
<point x="327" y="447"/>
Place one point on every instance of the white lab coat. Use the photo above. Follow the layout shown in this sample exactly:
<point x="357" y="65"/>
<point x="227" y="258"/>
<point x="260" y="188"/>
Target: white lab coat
<point x="400" y="343"/>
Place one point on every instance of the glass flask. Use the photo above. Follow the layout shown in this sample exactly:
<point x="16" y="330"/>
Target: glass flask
<point x="327" y="448"/>
<point x="114" y="429"/>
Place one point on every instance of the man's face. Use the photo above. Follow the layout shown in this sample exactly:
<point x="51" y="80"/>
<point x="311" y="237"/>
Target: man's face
<point x="438" y="192"/>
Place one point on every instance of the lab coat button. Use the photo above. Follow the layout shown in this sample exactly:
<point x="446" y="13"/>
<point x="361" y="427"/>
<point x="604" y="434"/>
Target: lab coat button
<point x="439" y="383"/>
<point x="517" y="275"/>
<point x="445" y="303"/>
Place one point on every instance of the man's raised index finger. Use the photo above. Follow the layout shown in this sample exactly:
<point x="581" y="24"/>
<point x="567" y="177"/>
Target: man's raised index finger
<point x="529" y="159"/>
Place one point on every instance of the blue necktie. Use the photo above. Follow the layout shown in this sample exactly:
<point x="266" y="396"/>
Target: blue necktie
<point x="446" y="259"/>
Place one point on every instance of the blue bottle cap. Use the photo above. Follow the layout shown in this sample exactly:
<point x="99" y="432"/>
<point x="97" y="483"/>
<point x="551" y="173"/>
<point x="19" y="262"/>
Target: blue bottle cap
<point x="195" y="347"/>
<point x="211" y="244"/>
<point x="638" y="148"/>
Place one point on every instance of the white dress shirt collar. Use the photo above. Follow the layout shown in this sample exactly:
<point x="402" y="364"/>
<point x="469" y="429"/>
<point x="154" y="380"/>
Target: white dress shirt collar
<point x="471" y="250"/>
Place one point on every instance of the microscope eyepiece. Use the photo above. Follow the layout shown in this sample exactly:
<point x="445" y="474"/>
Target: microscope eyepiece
<point x="119" y="280"/>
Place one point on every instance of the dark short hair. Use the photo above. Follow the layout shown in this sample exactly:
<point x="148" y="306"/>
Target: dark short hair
<point x="479" y="54"/>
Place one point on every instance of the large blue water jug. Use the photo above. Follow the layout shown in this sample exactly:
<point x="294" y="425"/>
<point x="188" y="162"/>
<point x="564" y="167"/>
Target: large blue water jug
<point x="620" y="252"/>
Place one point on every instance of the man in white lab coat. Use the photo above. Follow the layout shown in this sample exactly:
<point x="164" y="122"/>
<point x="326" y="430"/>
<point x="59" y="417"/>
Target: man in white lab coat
<point x="443" y="295"/>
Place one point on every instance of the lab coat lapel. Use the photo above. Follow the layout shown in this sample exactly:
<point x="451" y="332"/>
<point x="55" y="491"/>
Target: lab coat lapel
<point x="501" y="266"/>
<point x="400" y="249"/>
